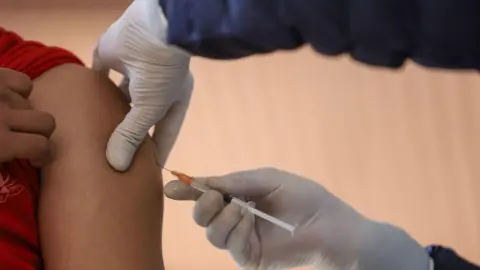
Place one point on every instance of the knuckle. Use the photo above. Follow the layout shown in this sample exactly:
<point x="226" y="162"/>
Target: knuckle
<point x="47" y="120"/>
<point x="199" y="214"/>
<point x="201" y="217"/>
<point x="42" y="146"/>
<point x="197" y="217"/>
<point x="42" y="154"/>
<point x="24" y="82"/>
<point x="215" y="238"/>
<point x="267" y="171"/>
<point x="211" y="199"/>
<point x="232" y="213"/>
<point x="15" y="79"/>
<point x="39" y="152"/>
<point x="218" y="231"/>
<point x="4" y="76"/>
<point x="206" y="207"/>
<point x="4" y="96"/>
<point x="228" y="218"/>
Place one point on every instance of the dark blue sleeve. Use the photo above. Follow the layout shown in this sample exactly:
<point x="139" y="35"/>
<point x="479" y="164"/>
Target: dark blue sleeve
<point x="447" y="259"/>
<point x="435" y="33"/>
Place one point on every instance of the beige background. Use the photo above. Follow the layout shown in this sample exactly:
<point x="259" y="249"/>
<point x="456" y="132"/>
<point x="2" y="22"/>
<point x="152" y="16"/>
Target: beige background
<point x="400" y="146"/>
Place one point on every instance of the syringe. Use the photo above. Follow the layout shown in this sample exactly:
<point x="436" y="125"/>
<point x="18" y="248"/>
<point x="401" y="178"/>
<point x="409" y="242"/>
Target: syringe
<point x="231" y="199"/>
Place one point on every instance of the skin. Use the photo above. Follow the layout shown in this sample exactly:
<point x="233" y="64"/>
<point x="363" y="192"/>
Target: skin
<point x="90" y="216"/>
<point x="24" y="132"/>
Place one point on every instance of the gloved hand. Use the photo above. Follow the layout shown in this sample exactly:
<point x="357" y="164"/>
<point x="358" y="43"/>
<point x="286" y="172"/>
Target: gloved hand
<point x="156" y="79"/>
<point x="329" y="235"/>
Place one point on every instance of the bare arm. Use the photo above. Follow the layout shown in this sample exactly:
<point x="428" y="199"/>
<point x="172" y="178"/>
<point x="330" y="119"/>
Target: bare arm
<point x="92" y="217"/>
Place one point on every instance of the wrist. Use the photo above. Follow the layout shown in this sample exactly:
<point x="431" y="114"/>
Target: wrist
<point x="384" y="246"/>
<point x="445" y="258"/>
<point x="163" y="6"/>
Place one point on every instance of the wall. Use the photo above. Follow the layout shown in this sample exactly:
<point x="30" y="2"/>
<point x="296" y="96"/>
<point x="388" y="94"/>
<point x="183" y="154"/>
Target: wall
<point x="56" y="4"/>
<point x="400" y="146"/>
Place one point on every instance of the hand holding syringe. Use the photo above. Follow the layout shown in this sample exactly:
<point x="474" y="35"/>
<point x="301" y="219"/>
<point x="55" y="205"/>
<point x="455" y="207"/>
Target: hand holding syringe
<point x="230" y="199"/>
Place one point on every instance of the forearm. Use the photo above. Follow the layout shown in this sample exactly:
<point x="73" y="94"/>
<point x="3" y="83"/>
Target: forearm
<point x="444" y="34"/>
<point x="390" y="247"/>
<point x="447" y="259"/>
<point x="229" y="29"/>
<point x="92" y="217"/>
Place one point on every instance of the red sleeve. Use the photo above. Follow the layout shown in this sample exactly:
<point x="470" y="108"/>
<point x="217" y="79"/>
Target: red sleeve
<point x="19" y="182"/>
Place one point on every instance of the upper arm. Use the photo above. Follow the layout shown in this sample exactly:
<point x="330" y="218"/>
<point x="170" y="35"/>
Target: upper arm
<point x="92" y="217"/>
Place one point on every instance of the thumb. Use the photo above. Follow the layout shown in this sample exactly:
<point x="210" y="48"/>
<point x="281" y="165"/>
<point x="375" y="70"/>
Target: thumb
<point x="179" y="191"/>
<point x="148" y="108"/>
<point x="128" y="136"/>
<point x="123" y="86"/>
<point x="97" y="63"/>
<point x="252" y="183"/>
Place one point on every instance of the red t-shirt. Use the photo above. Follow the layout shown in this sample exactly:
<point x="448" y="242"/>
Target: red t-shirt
<point x="19" y="190"/>
<point x="19" y="182"/>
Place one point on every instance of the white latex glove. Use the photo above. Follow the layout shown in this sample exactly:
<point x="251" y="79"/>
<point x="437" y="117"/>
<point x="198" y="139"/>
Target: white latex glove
<point x="330" y="234"/>
<point x="157" y="80"/>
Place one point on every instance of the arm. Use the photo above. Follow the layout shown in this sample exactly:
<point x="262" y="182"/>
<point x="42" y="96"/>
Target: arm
<point x="447" y="259"/>
<point x="443" y="33"/>
<point x="92" y="217"/>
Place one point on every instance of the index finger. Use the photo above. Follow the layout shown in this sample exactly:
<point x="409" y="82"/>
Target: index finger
<point x="13" y="100"/>
<point x="179" y="191"/>
<point x="16" y="81"/>
<point x="36" y="148"/>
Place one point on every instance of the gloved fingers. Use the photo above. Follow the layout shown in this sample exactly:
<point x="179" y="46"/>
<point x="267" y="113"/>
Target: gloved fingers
<point x="207" y="207"/>
<point x="177" y="190"/>
<point x="128" y="136"/>
<point x="167" y="130"/>
<point x="241" y="238"/>
<point x="221" y="226"/>
<point x="252" y="183"/>
<point x="124" y="87"/>
<point x="97" y="63"/>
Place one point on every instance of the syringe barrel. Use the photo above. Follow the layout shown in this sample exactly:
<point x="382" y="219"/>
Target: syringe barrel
<point x="264" y="215"/>
<point x="199" y="186"/>
<point x="203" y="188"/>
<point x="230" y="199"/>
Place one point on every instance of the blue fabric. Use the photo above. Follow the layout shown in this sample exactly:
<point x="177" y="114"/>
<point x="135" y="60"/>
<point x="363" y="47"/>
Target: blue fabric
<point x="446" y="259"/>
<point x="434" y="33"/>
